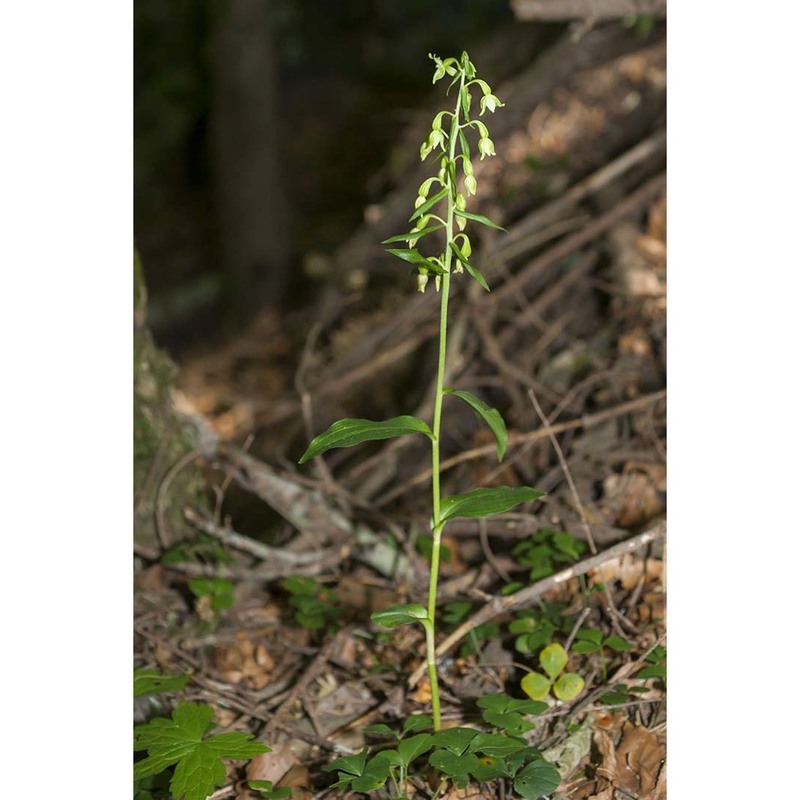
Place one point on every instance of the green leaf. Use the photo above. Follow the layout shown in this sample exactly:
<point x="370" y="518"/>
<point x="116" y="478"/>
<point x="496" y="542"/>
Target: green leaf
<point x="353" y="765"/>
<point x="509" y="721"/>
<point x="589" y="635"/>
<point x="535" y="685"/>
<point x="266" y="789"/>
<point x="473" y="270"/>
<point x="452" y="764"/>
<point x="553" y="660"/>
<point x="415" y="257"/>
<point x="537" y="778"/>
<point x="489" y="769"/>
<point x="653" y="671"/>
<point x="400" y="615"/>
<point x="495" y="744"/>
<point x="374" y="775"/>
<point x="429" y="204"/>
<point x="585" y="648"/>
<point x="417" y="722"/>
<point x="380" y="730"/>
<point x="414" y="746"/>
<point x="483" y="502"/>
<point x="349" y="432"/>
<point x="479" y="218"/>
<point x="413" y="235"/>
<point x="568" y="686"/>
<point x="151" y="681"/>
<point x="491" y="416"/>
<point x="456" y="740"/>
<point x="504" y="703"/>
<point x="614" y="698"/>
<point x="199" y="769"/>
<point x="618" y="644"/>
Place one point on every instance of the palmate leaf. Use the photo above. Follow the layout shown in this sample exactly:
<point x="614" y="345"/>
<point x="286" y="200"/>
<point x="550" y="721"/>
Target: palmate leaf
<point x="199" y="769"/>
<point x="485" y="502"/>
<point x="349" y="432"/>
<point x="491" y="416"/>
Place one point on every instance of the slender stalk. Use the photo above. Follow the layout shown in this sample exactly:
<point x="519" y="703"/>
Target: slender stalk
<point x="430" y="628"/>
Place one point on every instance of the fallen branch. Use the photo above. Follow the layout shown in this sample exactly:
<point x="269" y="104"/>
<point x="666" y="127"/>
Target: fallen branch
<point x="563" y="10"/>
<point x="525" y="597"/>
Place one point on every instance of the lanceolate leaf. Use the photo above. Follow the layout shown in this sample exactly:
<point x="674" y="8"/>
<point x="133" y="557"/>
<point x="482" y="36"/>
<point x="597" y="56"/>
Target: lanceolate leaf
<point x="415" y="257"/>
<point x="485" y="502"/>
<point x="474" y="271"/>
<point x="479" y="218"/>
<point x="349" y="432"/>
<point x="429" y="204"/>
<point x="404" y="237"/>
<point x="491" y="416"/>
<point x="400" y="615"/>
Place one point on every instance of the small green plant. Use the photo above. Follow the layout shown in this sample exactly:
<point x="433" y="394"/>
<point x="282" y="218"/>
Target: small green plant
<point x="589" y="642"/>
<point x="183" y="741"/>
<point x="317" y="606"/>
<point x="218" y="590"/>
<point x="546" y="550"/>
<point x="535" y="629"/>
<point x="441" y="205"/>
<point x="151" y="681"/>
<point x="564" y="685"/>
<point x="656" y="665"/>
<point x="265" y="789"/>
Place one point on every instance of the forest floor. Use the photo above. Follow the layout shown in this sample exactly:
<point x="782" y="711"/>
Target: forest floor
<point x="268" y="610"/>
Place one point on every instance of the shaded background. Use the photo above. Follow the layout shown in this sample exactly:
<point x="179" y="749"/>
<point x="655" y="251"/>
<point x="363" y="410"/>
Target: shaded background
<point x="263" y="130"/>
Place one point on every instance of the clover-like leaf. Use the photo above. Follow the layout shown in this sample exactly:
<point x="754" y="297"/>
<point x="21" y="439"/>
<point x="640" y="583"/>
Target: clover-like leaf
<point x="553" y="660"/>
<point x="199" y="768"/>
<point x="484" y="502"/>
<point x="353" y="765"/>
<point x="535" y="685"/>
<point x="568" y="686"/>
<point x="452" y="764"/>
<point x="495" y="744"/>
<point x="151" y="681"/>
<point x="537" y="778"/>
<point x="414" y="746"/>
<point x="617" y="644"/>
<point x="491" y="416"/>
<point x="349" y="432"/>
<point x="456" y="740"/>
<point x="417" y="722"/>
<point x="402" y="614"/>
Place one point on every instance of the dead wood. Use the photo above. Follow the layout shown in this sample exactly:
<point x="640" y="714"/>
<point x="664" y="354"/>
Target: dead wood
<point x="562" y="10"/>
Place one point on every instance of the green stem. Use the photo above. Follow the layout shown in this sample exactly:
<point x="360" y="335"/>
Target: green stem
<point x="430" y="628"/>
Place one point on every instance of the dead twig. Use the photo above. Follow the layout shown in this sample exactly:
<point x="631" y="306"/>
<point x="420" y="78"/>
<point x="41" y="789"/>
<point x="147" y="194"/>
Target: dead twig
<point x="525" y="597"/>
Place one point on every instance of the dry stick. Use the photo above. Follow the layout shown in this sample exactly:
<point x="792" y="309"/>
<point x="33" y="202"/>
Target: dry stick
<point x="516" y="439"/>
<point x="165" y="535"/>
<point x="590" y="185"/>
<point x="614" y="613"/>
<point x="567" y="246"/>
<point x="247" y="545"/>
<point x="525" y="597"/>
<point x="590" y="10"/>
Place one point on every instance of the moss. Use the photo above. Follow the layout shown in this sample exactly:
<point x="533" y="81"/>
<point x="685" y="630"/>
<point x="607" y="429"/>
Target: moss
<point x="160" y="438"/>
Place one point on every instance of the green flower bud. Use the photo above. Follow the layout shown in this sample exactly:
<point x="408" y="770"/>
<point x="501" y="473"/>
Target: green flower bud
<point x="470" y="184"/>
<point x="437" y="282"/>
<point x="435" y="139"/>
<point x="419" y="201"/>
<point x="424" y="151"/>
<point x="486" y="147"/>
<point x="422" y="280"/>
<point x="467" y="166"/>
<point x="461" y="222"/>
<point x="458" y="268"/>
<point x="491" y="102"/>
<point x="461" y="201"/>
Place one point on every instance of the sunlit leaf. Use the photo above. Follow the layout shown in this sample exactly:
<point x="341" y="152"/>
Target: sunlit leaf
<point x="400" y="615"/>
<point x="484" y="502"/>
<point x="553" y="660"/>
<point x="414" y="746"/>
<point x="151" y="681"/>
<point x="456" y="740"/>
<point x="535" y="685"/>
<point x="495" y="744"/>
<point x="349" y="432"/>
<point x="415" y="257"/>
<point x="404" y="237"/>
<point x="429" y="204"/>
<point x="479" y="218"/>
<point x="568" y="686"/>
<point x="452" y="764"/>
<point x="491" y="416"/>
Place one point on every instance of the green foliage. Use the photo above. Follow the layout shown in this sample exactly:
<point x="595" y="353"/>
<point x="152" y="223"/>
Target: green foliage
<point x="546" y="550"/>
<point x="491" y="416"/>
<point x="183" y="741"/>
<point x="593" y="641"/>
<point x="349" y="432"/>
<point x="400" y="615"/>
<point x="657" y="665"/>
<point x="535" y="631"/>
<point x="565" y="686"/>
<point x="485" y="502"/>
<point x="317" y="606"/>
<point x="151" y="681"/>
<point x="204" y="549"/>
<point x="220" y="590"/>
<point x="265" y="789"/>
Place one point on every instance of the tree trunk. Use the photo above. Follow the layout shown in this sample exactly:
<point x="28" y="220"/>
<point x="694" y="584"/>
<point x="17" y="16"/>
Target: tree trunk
<point x="253" y="206"/>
